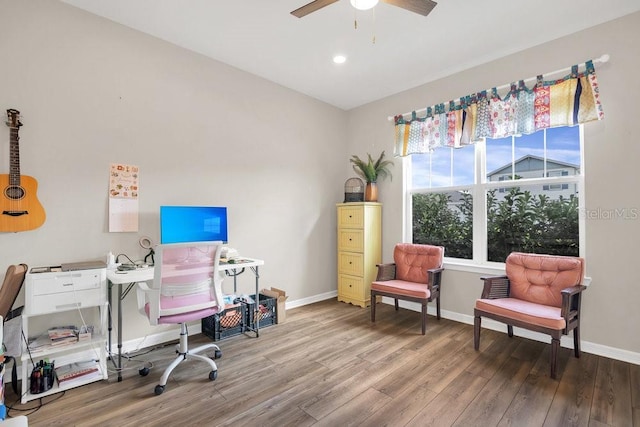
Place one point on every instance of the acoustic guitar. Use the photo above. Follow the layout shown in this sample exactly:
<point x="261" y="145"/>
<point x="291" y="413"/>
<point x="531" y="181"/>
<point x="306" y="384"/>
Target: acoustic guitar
<point x="19" y="206"/>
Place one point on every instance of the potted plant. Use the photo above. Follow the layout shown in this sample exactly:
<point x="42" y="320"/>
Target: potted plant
<point x="371" y="171"/>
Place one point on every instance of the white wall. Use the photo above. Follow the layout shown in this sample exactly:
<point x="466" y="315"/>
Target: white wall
<point x="92" y="93"/>
<point x="611" y="316"/>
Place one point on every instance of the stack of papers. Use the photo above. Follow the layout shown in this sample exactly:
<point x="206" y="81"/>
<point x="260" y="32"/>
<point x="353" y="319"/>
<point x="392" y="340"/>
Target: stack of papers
<point x="63" y="335"/>
<point x="79" y="372"/>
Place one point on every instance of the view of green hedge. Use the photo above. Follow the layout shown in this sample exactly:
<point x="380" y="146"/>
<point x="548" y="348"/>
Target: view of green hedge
<point x="520" y="221"/>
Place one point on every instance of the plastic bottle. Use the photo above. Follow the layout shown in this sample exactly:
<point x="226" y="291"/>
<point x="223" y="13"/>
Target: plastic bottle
<point x="111" y="260"/>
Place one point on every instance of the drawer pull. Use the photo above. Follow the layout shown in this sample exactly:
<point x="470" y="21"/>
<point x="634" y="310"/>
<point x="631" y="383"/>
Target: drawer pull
<point x="65" y="306"/>
<point x="67" y="284"/>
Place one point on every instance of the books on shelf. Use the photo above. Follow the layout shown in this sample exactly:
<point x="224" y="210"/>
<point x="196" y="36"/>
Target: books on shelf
<point x="62" y="335"/>
<point x="78" y="372"/>
<point x="38" y="344"/>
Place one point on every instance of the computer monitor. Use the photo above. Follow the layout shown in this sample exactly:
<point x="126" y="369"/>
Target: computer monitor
<point x="180" y="224"/>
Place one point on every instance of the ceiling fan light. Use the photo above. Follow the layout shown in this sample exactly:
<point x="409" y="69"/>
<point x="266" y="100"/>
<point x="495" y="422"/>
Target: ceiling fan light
<point x="363" y="4"/>
<point x="339" y="59"/>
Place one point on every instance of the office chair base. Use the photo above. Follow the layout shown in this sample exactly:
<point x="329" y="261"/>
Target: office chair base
<point x="159" y="389"/>
<point x="190" y="354"/>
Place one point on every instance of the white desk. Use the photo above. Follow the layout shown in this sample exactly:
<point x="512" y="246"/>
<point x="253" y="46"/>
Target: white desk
<point x="128" y="280"/>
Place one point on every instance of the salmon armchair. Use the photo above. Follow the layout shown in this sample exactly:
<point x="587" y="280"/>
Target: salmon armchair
<point x="415" y="275"/>
<point x="541" y="293"/>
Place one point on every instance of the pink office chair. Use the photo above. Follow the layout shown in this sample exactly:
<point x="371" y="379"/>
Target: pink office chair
<point x="186" y="287"/>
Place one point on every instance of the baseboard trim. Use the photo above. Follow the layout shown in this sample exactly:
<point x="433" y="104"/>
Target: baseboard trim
<point x="311" y="300"/>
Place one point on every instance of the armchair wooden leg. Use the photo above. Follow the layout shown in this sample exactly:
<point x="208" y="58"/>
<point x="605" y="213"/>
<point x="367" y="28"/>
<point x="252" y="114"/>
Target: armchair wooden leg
<point x="553" y="358"/>
<point x="373" y="307"/>
<point x="424" y="318"/>
<point x="476" y="332"/>
<point x="396" y="300"/>
<point x="510" y="331"/>
<point x="576" y="341"/>
<point x="438" y="307"/>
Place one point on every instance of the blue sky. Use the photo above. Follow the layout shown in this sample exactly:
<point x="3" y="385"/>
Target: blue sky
<point x="563" y="144"/>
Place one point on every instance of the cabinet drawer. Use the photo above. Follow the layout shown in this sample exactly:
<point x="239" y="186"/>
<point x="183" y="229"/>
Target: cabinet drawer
<point x="350" y="263"/>
<point x="350" y="287"/>
<point x="351" y="217"/>
<point x="351" y="240"/>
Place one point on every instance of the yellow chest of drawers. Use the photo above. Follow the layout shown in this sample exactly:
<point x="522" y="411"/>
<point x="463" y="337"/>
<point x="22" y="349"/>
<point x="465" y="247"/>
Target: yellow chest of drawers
<point x="359" y="250"/>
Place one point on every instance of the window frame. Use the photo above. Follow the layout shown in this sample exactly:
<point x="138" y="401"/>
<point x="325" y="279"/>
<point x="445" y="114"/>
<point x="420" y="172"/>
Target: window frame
<point x="478" y="191"/>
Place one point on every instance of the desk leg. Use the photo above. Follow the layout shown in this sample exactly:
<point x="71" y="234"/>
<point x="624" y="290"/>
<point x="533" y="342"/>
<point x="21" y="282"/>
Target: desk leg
<point x="257" y="304"/>
<point x="235" y="283"/>
<point x="119" y="333"/>
<point x="257" y="295"/>
<point x="110" y="323"/>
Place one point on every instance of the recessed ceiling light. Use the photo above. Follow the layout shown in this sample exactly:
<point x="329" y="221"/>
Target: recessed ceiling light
<point x="339" y="59"/>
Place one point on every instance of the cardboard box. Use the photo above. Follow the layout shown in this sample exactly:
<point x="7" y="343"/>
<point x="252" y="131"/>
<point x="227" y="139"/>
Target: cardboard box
<point x="281" y="298"/>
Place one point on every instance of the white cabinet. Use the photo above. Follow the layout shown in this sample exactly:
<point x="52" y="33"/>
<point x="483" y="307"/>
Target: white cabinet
<point x="56" y="298"/>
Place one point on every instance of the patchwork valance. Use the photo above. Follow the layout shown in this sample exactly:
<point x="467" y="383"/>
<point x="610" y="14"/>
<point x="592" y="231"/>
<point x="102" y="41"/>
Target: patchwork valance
<point x="568" y="101"/>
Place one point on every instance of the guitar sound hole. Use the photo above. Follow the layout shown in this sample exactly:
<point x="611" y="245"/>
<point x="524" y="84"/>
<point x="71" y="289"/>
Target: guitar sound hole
<point x="14" y="192"/>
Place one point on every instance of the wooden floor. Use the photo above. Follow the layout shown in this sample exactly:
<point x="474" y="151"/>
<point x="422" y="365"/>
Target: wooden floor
<point x="329" y="366"/>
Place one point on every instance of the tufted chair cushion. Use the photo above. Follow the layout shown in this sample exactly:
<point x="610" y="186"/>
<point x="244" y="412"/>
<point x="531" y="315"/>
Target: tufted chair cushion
<point x="540" y="278"/>
<point x="412" y="261"/>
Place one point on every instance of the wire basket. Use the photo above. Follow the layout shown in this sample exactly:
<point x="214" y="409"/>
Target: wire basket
<point x="353" y="190"/>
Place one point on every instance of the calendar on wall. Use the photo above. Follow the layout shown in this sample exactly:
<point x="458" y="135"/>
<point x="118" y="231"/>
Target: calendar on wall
<point x="124" y="191"/>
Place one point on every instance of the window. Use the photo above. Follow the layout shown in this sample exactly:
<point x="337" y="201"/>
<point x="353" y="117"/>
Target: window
<point x="553" y="187"/>
<point x="483" y="201"/>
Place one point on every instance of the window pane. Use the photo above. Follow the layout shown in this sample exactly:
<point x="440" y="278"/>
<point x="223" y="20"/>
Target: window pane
<point x="444" y="219"/>
<point x="529" y="155"/>
<point x="463" y="165"/>
<point x="563" y="144"/>
<point x="499" y="157"/>
<point x="444" y="167"/>
<point x="526" y="155"/>
<point x="530" y="219"/>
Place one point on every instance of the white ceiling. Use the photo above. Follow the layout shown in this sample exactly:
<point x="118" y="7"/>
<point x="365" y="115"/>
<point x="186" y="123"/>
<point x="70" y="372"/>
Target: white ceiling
<point x="263" y="38"/>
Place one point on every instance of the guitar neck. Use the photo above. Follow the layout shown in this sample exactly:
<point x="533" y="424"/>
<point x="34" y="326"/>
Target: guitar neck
<point x="14" y="157"/>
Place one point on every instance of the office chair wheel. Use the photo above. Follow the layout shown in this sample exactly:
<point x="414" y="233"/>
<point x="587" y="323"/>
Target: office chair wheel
<point x="144" y="371"/>
<point x="212" y="375"/>
<point x="217" y="354"/>
<point x="158" y="390"/>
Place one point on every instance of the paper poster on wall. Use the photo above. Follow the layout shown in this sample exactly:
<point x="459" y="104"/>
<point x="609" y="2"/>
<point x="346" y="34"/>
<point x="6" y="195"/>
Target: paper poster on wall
<point x="124" y="190"/>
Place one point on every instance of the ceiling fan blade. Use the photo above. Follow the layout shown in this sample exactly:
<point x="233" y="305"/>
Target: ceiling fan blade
<point x="311" y="7"/>
<point x="422" y="7"/>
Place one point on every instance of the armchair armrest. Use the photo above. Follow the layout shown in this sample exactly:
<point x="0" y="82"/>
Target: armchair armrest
<point x="386" y="272"/>
<point x="571" y="303"/>
<point x="572" y="290"/>
<point x="434" y="276"/>
<point x="495" y="287"/>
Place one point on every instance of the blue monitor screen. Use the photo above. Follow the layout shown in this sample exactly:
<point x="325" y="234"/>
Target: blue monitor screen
<point x="180" y="224"/>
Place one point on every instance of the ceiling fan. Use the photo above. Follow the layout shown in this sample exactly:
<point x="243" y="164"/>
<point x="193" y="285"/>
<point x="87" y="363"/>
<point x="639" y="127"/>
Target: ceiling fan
<point x="422" y="7"/>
